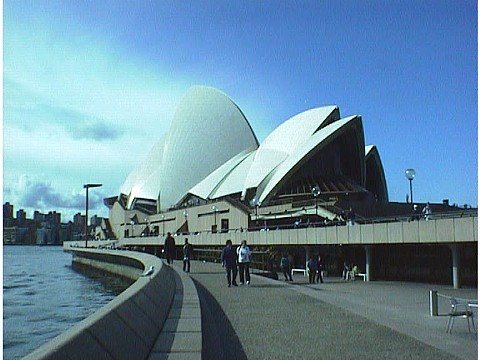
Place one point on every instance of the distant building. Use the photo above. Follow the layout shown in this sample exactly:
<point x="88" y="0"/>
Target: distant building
<point x="21" y="217"/>
<point x="8" y="220"/>
<point x="38" y="216"/>
<point x="7" y="211"/>
<point x="95" y="221"/>
<point x="66" y="232"/>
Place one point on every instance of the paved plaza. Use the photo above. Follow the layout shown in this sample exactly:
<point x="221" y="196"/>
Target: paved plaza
<point x="274" y="319"/>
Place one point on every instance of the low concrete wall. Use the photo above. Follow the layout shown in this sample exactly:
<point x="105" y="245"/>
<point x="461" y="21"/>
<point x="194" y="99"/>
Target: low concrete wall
<point x="128" y="326"/>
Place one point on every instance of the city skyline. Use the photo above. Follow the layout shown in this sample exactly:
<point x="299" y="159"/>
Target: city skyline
<point x="64" y="219"/>
<point x="89" y="87"/>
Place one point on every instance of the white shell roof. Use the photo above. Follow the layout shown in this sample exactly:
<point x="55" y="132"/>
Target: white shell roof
<point x="135" y="184"/>
<point x="285" y="140"/>
<point x="233" y="183"/>
<point x="320" y="138"/>
<point x="211" y="151"/>
<point x="368" y="148"/>
<point x="206" y="187"/>
<point x="372" y="151"/>
<point x="207" y="130"/>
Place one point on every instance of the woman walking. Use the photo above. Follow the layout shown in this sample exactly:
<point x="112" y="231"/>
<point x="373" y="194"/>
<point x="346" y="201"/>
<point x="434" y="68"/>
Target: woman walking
<point x="244" y="258"/>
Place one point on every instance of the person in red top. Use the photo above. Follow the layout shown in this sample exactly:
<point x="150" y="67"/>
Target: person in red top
<point x="169" y="248"/>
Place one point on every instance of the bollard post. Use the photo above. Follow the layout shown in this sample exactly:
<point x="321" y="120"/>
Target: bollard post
<point x="433" y="303"/>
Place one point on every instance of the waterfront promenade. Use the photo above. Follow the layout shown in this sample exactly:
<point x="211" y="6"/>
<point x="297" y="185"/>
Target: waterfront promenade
<point x="272" y="319"/>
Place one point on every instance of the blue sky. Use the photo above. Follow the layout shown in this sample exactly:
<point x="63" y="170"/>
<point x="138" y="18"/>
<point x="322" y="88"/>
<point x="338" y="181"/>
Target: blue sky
<point x="90" y="86"/>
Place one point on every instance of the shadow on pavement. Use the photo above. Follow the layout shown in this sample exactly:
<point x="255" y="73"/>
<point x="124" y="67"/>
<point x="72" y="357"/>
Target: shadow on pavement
<point x="264" y="286"/>
<point x="219" y="340"/>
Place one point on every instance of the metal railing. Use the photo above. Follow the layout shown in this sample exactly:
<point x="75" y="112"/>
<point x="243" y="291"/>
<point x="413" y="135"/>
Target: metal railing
<point x="261" y="260"/>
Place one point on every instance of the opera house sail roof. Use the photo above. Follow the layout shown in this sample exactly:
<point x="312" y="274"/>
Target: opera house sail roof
<point x="211" y="152"/>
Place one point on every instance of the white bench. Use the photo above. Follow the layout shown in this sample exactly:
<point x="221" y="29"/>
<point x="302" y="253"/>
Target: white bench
<point x="364" y="276"/>
<point x="304" y="271"/>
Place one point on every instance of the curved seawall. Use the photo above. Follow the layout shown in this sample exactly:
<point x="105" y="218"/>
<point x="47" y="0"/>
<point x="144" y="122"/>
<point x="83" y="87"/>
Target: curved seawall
<point x="129" y="325"/>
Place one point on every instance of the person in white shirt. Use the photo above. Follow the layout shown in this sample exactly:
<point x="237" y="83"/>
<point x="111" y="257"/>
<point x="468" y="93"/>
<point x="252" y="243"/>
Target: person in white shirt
<point x="244" y="258"/>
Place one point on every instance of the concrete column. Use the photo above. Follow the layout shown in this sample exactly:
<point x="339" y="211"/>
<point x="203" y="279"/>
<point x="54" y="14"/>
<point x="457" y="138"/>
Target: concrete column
<point x="368" y="261"/>
<point x="455" y="266"/>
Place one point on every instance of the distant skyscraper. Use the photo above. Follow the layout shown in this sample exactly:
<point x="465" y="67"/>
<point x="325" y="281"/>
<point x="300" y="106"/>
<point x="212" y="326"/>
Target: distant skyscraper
<point x="38" y="216"/>
<point x="21" y="217"/>
<point x="7" y="211"/>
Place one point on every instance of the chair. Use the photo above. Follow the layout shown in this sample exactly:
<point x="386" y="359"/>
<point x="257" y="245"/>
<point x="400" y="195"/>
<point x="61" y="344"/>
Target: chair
<point x="458" y="309"/>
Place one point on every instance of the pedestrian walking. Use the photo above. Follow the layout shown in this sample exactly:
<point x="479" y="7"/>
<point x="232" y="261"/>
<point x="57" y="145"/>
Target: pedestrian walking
<point x="312" y="267"/>
<point x="285" y="267"/>
<point x="319" y="269"/>
<point x="187" y="253"/>
<point x="346" y="271"/>
<point x="351" y="217"/>
<point x="169" y="248"/>
<point x="427" y="211"/>
<point x="229" y="262"/>
<point x="244" y="258"/>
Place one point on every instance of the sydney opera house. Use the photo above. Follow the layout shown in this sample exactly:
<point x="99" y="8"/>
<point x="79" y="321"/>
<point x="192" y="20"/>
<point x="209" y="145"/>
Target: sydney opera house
<point x="211" y="153"/>
<point x="210" y="178"/>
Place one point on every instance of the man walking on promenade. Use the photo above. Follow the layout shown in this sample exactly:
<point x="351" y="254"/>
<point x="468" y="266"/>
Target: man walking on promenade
<point x="229" y="262"/>
<point x="169" y="248"/>
<point x="286" y="268"/>
<point x="187" y="253"/>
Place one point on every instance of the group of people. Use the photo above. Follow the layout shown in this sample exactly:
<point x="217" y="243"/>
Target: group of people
<point x="314" y="268"/>
<point x="170" y="252"/>
<point x="425" y="213"/>
<point x="236" y="257"/>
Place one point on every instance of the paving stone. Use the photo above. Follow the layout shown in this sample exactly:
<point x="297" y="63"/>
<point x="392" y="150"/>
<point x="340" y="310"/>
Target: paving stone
<point x="178" y="342"/>
<point x="182" y="325"/>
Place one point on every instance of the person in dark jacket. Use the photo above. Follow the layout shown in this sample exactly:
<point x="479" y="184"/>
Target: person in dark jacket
<point x="286" y="268"/>
<point x="169" y="248"/>
<point x="319" y="269"/>
<point x="187" y="254"/>
<point x="229" y="262"/>
<point x="312" y="267"/>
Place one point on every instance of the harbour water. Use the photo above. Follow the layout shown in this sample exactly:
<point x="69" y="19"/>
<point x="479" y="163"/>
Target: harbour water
<point x="43" y="296"/>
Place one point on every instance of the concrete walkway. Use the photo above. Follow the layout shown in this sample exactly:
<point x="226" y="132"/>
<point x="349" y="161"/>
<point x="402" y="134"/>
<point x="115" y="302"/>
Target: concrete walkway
<point x="272" y="319"/>
<point x="181" y="335"/>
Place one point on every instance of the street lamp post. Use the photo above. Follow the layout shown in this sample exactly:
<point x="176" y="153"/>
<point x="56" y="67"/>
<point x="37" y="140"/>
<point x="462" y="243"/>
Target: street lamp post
<point x="132" y="223"/>
<point x="316" y="193"/>
<point x="86" y="187"/>
<point x="214" y="208"/>
<point x="185" y="214"/>
<point x="163" y="224"/>
<point x="410" y="175"/>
